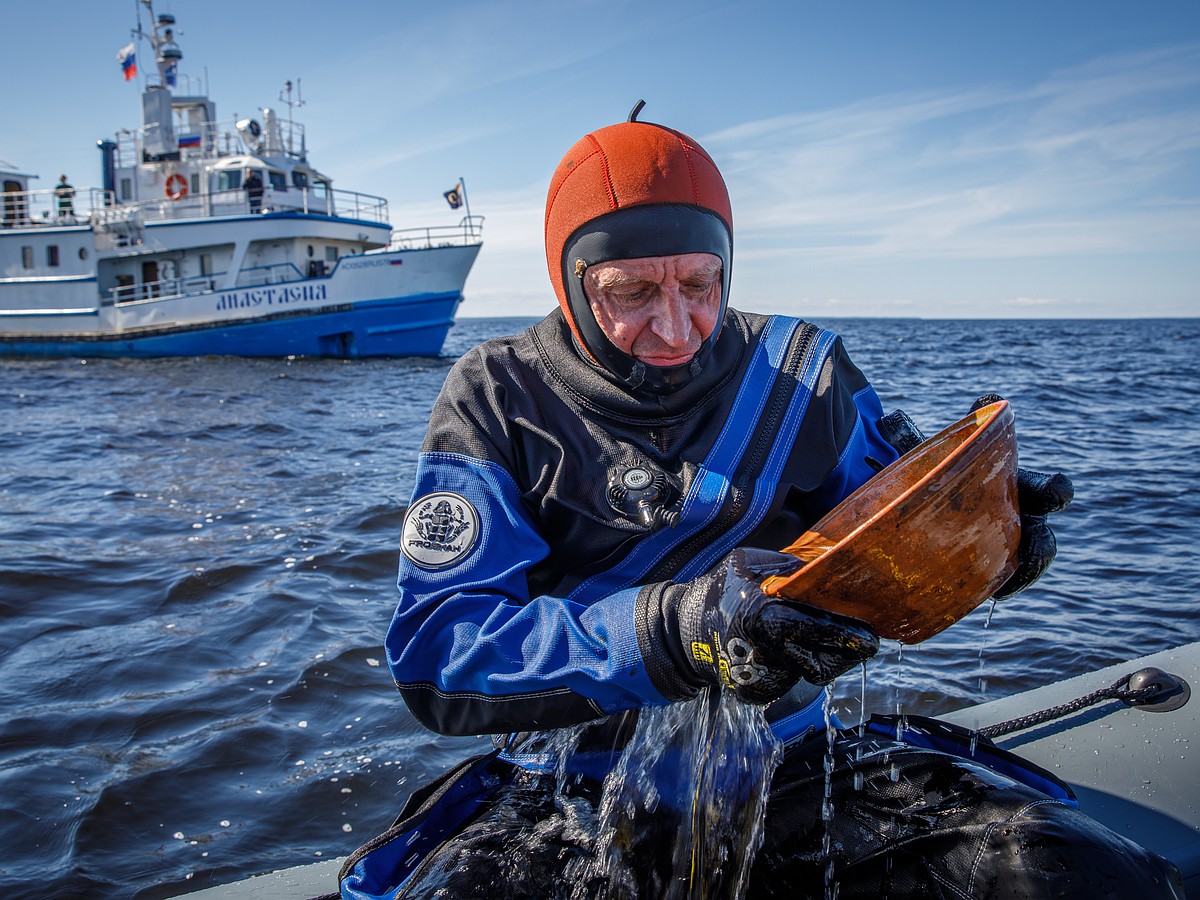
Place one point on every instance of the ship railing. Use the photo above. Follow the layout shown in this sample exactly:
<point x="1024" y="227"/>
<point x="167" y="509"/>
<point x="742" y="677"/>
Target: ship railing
<point x="117" y="218"/>
<point x="314" y="200"/>
<point x="27" y="209"/>
<point x="163" y="289"/>
<point x="353" y="205"/>
<point x="187" y="206"/>
<point x="214" y="140"/>
<point x="277" y="273"/>
<point x="335" y="203"/>
<point x="468" y="231"/>
<point x="186" y="286"/>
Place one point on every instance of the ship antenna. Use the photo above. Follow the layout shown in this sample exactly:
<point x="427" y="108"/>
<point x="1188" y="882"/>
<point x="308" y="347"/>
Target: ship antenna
<point x="285" y="96"/>
<point x="166" y="51"/>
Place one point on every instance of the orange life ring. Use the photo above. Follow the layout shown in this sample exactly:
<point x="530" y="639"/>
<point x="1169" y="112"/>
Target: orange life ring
<point x="176" y="186"/>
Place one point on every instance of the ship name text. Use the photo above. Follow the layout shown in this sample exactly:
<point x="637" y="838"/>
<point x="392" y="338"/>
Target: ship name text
<point x="270" y="296"/>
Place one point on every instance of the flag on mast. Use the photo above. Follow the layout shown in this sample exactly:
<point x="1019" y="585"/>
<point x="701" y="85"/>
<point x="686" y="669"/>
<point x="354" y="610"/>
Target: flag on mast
<point x="454" y="196"/>
<point x="128" y="61"/>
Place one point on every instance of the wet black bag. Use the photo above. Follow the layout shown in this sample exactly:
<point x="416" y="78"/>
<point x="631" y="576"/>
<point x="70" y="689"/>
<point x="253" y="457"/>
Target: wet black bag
<point x="430" y="816"/>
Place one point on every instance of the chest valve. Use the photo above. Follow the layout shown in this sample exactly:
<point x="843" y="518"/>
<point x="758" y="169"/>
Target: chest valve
<point x="644" y="494"/>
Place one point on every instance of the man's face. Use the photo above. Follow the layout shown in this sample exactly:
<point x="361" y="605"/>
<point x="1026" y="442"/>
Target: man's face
<point x="658" y="309"/>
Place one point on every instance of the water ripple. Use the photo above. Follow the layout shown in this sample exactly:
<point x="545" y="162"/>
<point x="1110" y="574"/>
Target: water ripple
<point x="198" y="561"/>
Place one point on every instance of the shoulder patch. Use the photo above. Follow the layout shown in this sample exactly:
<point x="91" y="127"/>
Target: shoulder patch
<point x="439" y="530"/>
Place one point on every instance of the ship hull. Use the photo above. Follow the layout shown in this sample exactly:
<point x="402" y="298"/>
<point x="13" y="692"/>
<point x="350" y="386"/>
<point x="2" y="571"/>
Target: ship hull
<point x="373" y="304"/>
<point x="402" y="326"/>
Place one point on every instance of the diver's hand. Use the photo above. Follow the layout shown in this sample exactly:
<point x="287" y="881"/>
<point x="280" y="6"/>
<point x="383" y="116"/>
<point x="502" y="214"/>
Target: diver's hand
<point x="899" y="430"/>
<point x="734" y="635"/>
<point x="1038" y="495"/>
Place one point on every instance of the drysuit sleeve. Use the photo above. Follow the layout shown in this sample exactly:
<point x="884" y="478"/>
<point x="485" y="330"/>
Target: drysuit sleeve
<point x="860" y="455"/>
<point x="470" y="650"/>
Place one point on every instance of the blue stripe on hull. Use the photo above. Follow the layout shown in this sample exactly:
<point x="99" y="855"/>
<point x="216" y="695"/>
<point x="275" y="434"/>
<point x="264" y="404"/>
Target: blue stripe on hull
<point x="407" y="326"/>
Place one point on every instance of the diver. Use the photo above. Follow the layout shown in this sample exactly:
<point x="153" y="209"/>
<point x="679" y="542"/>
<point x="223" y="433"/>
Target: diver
<point x="590" y="491"/>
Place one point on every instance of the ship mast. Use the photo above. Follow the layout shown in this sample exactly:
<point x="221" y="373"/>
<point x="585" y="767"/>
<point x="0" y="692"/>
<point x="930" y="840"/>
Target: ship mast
<point x="158" y="132"/>
<point x="162" y="40"/>
<point x="285" y="95"/>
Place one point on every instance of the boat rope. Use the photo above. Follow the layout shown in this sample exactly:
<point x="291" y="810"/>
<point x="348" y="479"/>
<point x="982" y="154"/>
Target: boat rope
<point x="1149" y="688"/>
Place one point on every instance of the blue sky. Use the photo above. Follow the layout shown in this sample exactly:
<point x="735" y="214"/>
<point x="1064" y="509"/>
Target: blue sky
<point x="885" y="159"/>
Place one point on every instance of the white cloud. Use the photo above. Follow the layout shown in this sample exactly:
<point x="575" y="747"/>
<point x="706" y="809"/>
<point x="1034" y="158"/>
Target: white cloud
<point x="1095" y="159"/>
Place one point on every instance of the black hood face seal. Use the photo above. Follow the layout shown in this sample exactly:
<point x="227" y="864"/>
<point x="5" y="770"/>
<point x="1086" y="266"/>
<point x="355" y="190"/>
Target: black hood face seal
<point x="659" y="229"/>
<point x="573" y="373"/>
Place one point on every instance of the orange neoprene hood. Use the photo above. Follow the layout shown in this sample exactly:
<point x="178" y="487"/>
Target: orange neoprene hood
<point x="626" y="191"/>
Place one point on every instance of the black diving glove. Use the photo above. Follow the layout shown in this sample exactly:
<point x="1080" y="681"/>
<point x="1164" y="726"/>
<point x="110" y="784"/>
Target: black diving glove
<point x="1038" y="495"/>
<point x="733" y="634"/>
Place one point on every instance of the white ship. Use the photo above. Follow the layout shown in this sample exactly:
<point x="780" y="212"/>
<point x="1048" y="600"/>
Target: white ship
<point x="178" y="253"/>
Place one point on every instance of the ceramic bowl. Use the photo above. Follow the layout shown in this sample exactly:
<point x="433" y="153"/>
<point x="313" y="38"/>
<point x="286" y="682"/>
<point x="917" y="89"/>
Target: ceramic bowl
<point x="925" y="541"/>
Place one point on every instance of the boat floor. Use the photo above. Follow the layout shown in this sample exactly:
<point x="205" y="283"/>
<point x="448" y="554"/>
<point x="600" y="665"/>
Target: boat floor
<point x="1134" y="770"/>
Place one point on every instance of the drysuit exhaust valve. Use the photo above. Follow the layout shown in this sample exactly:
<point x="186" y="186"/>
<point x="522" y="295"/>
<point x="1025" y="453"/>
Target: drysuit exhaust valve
<point x="640" y="493"/>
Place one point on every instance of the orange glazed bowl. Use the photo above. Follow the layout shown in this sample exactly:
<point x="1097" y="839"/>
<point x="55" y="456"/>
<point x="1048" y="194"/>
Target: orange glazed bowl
<point x="925" y="541"/>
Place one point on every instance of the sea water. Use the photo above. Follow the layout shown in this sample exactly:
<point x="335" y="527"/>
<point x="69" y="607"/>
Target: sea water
<point x="697" y="772"/>
<point x="679" y="814"/>
<point x="198" y="558"/>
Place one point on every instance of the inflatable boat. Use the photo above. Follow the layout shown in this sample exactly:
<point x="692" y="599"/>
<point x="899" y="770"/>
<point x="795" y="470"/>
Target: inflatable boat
<point x="1126" y="738"/>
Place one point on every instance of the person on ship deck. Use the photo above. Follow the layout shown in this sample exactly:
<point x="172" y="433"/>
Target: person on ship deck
<point x="253" y="186"/>
<point x="64" y="195"/>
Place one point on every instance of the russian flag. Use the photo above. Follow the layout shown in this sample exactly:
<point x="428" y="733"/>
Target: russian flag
<point x="189" y="140"/>
<point x="128" y="61"/>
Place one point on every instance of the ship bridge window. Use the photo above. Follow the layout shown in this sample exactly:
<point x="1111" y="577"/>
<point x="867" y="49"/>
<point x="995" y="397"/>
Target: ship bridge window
<point x="278" y="181"/>
<point x="229" y="179"/>
<point x="319" y="197"/>
<point x="299" y="179"/>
